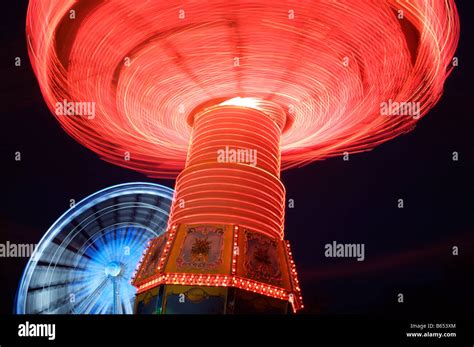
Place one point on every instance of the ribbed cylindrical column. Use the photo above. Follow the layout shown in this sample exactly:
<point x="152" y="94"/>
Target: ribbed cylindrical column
<point x="226" y="224"/>
<point x="232" y="171"/>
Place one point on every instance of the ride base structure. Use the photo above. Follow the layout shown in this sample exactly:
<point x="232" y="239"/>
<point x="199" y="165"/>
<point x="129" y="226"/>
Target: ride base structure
<point x="224" y="250"/>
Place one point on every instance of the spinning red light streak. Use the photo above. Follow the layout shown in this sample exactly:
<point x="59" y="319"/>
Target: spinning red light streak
<point x="328" y="63"/>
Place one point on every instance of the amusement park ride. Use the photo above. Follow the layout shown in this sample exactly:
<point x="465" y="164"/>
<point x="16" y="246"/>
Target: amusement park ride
<point x="174" y="85"/>
<point x="84" y="262"/>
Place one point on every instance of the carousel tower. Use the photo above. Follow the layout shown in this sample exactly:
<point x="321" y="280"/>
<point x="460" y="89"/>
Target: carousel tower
<point x="225" y="251"/>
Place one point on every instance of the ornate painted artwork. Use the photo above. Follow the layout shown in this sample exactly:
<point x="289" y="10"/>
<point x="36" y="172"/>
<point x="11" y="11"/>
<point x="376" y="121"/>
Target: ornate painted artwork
<point x="261" y="258"/>
<point x="202" y="248"/>
<point x="152" y="259"/>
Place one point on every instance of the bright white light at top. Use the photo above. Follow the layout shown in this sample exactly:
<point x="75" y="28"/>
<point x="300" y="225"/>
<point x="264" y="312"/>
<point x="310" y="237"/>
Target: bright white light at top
<point x="244" y="102"/>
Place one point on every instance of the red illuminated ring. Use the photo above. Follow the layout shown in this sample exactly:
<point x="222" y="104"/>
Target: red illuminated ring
<point x="328" y="64"/>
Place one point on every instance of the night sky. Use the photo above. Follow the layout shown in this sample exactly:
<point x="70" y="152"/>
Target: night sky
<point x="407" y="250"/>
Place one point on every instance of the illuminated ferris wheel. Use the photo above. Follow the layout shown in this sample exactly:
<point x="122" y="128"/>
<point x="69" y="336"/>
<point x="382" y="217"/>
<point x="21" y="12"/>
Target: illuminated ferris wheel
<point x="85" y="261"/>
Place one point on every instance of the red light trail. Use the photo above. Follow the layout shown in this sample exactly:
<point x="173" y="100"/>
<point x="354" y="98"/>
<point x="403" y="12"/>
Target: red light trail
<point x="329" y="64"/>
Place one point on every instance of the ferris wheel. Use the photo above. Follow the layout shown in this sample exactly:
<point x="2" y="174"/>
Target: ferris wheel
<point x="85" y="261"/>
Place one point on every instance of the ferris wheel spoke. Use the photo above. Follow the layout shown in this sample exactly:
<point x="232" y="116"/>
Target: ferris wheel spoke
<point x="127" y="306"/>
<point x="86" y="303"/>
